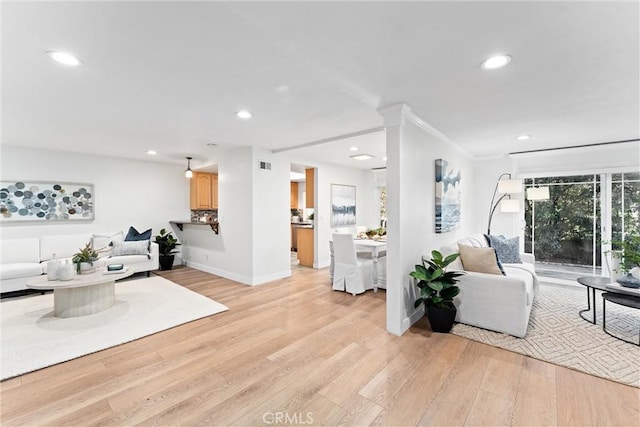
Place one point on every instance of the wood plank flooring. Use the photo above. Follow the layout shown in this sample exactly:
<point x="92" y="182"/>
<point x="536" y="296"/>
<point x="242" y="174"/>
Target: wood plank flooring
<point x="294" y="352"/>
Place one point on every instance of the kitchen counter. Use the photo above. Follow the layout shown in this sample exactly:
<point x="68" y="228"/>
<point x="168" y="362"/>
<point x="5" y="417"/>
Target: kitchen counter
<point x="302" y="224"/>
<point x="215" y="226"/>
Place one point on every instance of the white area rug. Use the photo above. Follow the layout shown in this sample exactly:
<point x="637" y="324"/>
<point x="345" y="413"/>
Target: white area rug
<point x="32" y="338"/>
<point x="558" y="335"/>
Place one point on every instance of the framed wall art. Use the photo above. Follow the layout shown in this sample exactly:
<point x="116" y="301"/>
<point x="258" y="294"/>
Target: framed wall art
<point x="343" y="205"/>
<point x="28" y="201"/>
<point x="448" y="196"/>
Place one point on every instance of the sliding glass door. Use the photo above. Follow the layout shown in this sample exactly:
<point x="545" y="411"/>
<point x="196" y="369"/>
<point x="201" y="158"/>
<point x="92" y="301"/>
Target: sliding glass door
<point x="570" y="232"/>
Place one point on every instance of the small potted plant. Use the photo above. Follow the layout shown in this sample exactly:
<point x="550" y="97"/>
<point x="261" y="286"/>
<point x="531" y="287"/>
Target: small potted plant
<point x="628" y="254"/>
<point x="437" y="290"/>
<point x="166" y="248"/>
<point x="85" y="258"/>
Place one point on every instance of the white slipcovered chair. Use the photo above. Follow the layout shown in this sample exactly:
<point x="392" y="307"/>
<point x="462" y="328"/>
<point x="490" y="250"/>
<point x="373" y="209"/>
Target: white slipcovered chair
<point x="350" y="273"/>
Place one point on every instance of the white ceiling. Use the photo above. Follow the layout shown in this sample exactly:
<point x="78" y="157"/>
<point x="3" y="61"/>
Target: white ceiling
<point x="169" y="76"/>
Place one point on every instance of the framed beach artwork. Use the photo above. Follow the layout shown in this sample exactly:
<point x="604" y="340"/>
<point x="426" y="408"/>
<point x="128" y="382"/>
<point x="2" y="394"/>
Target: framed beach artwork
<point x="32" y="201"/>
<point x="343" y="205"/>
<point x="448" y="196"/>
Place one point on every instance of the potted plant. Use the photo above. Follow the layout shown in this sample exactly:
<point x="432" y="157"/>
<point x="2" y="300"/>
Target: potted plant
<point x="85" y="258"/>
<point x="627" y="252"/>
<point x="437" y="290"/>
<point x="166" y="247"/>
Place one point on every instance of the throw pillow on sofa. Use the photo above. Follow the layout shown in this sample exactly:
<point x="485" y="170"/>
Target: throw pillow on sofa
<point x="480" y="260"/>
<point x="507" y="250"/>
<point x="104" y="241"/>
<point x="133" y="235"/>
<point x="137" y="247"/>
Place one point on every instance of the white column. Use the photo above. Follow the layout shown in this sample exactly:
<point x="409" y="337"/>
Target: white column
<point x="397" y="208"/>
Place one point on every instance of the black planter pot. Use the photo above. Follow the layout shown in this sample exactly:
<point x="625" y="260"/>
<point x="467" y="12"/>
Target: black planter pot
<point x="441" y="319"/>
<point x="166" y="262"/>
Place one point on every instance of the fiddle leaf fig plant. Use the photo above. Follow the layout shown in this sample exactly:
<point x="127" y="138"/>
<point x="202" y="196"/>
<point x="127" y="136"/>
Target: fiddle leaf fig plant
<point x="166" y="243"/>
<point x="437" y="286"/>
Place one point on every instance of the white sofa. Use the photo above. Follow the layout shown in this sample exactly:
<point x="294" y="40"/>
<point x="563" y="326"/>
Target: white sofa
<point x="24" y="259"/>
<point x="495" y="302"/>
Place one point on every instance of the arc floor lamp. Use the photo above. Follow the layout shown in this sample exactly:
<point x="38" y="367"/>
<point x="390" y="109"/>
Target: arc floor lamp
<point x="506" y="187"/>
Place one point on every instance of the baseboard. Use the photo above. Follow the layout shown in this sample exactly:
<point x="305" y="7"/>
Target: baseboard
<point x="271" y="277"/>
<point x="222" y="273"/>
<point x="415" y="316"/>
<point x="323" y="264"/>
<point x="238" y="278"/>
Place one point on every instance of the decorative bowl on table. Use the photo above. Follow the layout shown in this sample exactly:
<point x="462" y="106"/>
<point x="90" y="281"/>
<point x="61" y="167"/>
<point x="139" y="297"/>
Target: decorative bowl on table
<point x="628" y="281"/>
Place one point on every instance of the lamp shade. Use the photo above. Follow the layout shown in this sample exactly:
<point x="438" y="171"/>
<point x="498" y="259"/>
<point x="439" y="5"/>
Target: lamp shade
<point x="510" y="186"/>
<point x="510" y="205"/>
<point x="538" y="193"/>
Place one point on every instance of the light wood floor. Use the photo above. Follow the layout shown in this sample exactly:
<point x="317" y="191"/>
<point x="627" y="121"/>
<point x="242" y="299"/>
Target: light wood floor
<point x="296" y="352"/>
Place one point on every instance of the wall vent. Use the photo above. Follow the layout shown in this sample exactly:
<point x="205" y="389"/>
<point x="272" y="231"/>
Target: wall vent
<point x="265" y="165"/>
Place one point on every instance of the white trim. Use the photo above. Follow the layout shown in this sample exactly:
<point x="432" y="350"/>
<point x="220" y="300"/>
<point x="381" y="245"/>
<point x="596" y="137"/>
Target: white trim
<point x="532" y="173"/>
<point x="271" y="277"/>
<point x="327" y="140"/>
<point x="238" y="278"/>
<point x="435" y="132"/>
<point x="412" y="319"/>
<point x="222" y="273"/>
<point x="551" y="151"/>
<point x="322" y="264"/>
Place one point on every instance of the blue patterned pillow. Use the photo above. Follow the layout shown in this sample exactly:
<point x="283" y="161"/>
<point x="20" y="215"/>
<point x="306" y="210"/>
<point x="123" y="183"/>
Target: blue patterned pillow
<point x="507" y="250"/>
<point x="133" y="235"/>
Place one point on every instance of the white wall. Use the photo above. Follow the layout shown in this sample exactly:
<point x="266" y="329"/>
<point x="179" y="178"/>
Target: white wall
<point x="271" y="218"/>
<point x="127" y="192"/>
<point x="254" y="213"/>
<point x="411" y="155"/>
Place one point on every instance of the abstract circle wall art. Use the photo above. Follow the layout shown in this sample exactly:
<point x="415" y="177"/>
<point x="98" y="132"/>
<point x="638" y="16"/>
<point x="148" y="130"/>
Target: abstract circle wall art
<point x="46" y="201"/>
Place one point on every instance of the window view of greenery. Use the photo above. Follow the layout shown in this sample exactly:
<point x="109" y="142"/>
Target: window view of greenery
<point x="625" y="205"/>
<point x="564" y="232"/>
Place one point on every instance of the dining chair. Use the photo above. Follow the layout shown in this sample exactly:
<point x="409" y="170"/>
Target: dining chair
<point x="350" y="273"/>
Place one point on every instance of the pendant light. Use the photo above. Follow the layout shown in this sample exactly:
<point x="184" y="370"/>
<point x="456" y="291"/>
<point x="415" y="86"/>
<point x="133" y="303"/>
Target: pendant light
<point x="188" y="173"/>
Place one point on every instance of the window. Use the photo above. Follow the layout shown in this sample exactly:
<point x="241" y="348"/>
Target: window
<point x="569" y="233"/>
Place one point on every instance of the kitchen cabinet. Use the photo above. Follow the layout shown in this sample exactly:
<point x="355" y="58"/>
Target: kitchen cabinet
<point x="294" y="195"/>
<point x="204" y="191"/>
<point x="305" y="246"/>
<point x="309" y="187"/>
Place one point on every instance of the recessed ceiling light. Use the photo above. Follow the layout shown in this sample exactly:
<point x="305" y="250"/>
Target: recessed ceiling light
<point x="362" y="156"/>
<point x="523" y="137"/>
<point x="152" y="152"/>
<point x="354" y="148"/>
<point x="64" y="58"/>
<point x="244" y="114"/>
<point x="496" y="61"/>
<point x="384" y="158"/>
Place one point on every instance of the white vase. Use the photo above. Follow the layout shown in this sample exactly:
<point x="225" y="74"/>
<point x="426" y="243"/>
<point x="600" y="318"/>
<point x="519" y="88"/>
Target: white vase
<point x="67" y="271"/>
<point x="52" y="269"/>
<point x="612" y="259"/>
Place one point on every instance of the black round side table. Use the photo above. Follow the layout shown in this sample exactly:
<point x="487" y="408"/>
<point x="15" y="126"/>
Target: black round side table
<point x="593" y="283"/>
<point x="620" y="299"/>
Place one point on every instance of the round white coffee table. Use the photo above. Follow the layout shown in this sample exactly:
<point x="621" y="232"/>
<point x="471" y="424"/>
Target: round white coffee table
<point x="84" y="294"/>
